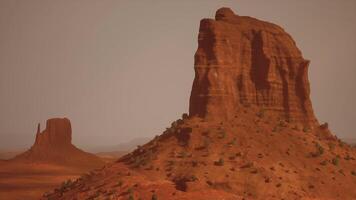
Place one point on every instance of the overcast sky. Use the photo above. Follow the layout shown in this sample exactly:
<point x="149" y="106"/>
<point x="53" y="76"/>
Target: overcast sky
<point x="121" y="70"/>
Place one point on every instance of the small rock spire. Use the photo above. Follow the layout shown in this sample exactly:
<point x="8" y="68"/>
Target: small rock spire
<point x="38" y="128"/>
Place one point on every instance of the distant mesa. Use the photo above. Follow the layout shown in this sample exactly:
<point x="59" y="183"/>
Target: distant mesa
<point x="54" y="145"/>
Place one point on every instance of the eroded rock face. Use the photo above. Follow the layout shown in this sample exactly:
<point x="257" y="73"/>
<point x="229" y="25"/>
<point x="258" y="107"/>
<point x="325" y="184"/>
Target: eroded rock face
<point x="58" y="132"/>
<point x="242" y="61"/>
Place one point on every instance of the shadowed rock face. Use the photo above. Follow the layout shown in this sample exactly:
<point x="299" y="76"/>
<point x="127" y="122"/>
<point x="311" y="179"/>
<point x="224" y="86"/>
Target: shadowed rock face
<point x="242" y="61"/>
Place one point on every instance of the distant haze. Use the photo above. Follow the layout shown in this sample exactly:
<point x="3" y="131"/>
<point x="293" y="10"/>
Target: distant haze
<point x="121" y="70"/>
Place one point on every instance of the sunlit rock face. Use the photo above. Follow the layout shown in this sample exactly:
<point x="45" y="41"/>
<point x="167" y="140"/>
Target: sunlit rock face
<point x="242" y="61"/>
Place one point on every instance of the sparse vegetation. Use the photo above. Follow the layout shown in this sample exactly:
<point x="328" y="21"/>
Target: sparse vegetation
<point x="331" y="146"/>
<point x="154" y="196"/>
<point x="65" y="185"/>
<point x="319" y="150"/>
<point x="131" y="195"/>
<point x="220" y="162"/>
<point x="182" y="154"/>
<point x="185" y="116"/>
<point x="274" y="129"/>
<point x="233" y="142"/>
<point x="222" y="135"/>
<point x="324" y="162"/>
<point x="305" y="129"/>
<point x="295" y="128"/>
<point x="353" y="173"/>
<point x="261" y="113"/>
<point x="120" y="183"/>
<point x="335" y="161"/>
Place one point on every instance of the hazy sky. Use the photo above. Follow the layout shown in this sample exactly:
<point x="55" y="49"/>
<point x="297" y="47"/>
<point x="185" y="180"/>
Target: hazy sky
<point x="123" y="69"/>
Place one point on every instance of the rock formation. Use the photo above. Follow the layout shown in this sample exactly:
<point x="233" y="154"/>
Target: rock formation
<point x="54" y="145"/>
<point x="58" y="133"/>
<point x="242" y="61"/>
<point x="243" y="138"/>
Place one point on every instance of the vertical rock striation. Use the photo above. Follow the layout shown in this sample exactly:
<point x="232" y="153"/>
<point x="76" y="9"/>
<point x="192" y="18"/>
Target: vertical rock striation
<point x="242" y="61"/>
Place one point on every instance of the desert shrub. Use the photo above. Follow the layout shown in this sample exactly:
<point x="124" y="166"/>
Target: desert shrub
<point x="305" y="129"/>
<point x="232" y="157"/>
<point x="295" y="128"/>
<point x="193" y="178"/>
<point x="154" y="196"/>
<point x="261" y="113"/>
<point x="353" y="173"/>
<point x="247" y="165"/>
<point x="185" y="116"/>
<point x="319" y="150"/>
<point x="233" y="142"/>
<point x="335" y="161"/>
<point x="131" y="195"/>
<point x="120" y="183"/>
<point x="274" y="129"/>
<point x="331" y="146"/>
<point x="282" y="123"/>
<point x="184" y="136"/>
<point x="222" y="135"/>
<point x="220" y="162"/>
<point x="182" y="154"/>
<point x="347" y="157"/>
<point x="65" y="185"/>
<point x="174" y="124"/>
<point x="324" y="162"/>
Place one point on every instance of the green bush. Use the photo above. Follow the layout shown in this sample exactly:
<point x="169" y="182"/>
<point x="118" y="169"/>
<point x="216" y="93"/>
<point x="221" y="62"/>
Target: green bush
<point x="335" y="161"/>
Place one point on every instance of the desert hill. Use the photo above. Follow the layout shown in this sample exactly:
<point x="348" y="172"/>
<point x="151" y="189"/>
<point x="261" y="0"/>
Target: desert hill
<point x="53" y="145"/>
<point x="250" y="133"/>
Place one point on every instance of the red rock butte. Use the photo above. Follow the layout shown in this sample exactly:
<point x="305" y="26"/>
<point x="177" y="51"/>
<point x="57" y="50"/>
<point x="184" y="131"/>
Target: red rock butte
<point x="58" y="133"/>
<point x="226" y="148"/>
<point x="243" y="61"/>
<point x="54" y="145"/>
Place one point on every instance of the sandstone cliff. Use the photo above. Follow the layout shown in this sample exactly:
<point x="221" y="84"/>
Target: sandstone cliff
<point x="242" y="61"/>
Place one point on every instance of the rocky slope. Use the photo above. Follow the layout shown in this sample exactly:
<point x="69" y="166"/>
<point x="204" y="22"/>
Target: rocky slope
<point x="54" y="145"/>
<point x="250" y="134"/>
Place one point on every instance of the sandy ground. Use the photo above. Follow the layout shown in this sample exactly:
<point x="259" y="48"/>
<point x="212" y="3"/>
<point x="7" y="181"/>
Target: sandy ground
<point x="19" y="181"/>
